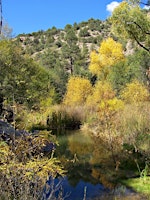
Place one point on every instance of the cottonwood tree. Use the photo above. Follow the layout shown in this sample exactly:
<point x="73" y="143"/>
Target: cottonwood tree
<point x="129" y="21"/>
<point x="78" y="89"/>
<point x="109" y="54"/>
<point x="135" y="92"/>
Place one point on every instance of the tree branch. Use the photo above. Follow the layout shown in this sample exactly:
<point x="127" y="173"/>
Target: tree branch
<point x="148" y="33"/>
<point x="141" y="45"/>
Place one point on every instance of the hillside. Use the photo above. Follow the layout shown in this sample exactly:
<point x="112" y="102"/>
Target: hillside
<point x="65" y="51"/>
<point x="89" y="34"/>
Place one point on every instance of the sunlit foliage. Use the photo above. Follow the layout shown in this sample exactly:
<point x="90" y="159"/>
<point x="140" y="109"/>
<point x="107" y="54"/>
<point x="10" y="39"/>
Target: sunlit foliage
<point x="109" y="53"/>
<point x="26" y="154"/>
<point x="135" y="92"/>
<point x="78" y="89"/>
<point x="130" y="22"/>
<point x="102" y="91"/>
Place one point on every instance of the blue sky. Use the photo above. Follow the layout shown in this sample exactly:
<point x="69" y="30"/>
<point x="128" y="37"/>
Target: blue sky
<point x="27" y="16"/>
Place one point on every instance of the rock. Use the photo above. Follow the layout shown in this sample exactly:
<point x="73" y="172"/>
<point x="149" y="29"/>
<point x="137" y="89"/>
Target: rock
<point x="7" y="131"/>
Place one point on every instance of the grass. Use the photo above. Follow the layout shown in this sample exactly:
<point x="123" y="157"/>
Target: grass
<point x="140" y="185"/>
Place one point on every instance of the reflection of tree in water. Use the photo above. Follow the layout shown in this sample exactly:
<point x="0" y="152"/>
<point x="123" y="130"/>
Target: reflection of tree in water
<point x="81" y="145"/>
<point x="79" y="172"/>
<point x="102" y="163"/>
<point x="102" y="177"/>
<point x="100" y="154"/>
<point x="86" y="158"/>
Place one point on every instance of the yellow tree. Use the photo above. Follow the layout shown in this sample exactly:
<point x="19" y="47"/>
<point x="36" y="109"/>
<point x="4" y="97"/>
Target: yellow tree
<point x="107" y="106"/>
<point x="109" y="54"/>
<point x="78" y="89"/>
<point x="135" y="92"/>
<point x="102" y="91"/>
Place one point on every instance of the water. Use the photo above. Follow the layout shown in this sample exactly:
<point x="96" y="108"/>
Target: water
<point x="90" y="170"/>
<point x="83" y="190"/>
<point x="82" y="155"/>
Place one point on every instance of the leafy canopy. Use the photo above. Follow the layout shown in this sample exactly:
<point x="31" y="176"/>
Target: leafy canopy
<point x="21" y="77"/>
<point x="109" y="53"/>
<point x="129" y="21"/>
<point x="78" y="89"/>
<point x="102" y="91"/>
<point x="135" y="92"/>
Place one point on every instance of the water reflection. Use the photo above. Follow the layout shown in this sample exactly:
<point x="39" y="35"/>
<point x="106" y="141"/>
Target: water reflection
<point x="84" y="158"/>
<point x="81" y="190"/>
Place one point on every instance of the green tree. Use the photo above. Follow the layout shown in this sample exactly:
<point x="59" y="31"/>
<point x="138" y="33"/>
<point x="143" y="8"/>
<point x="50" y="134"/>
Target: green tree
<point x="58" y="76"/>
<point x="70" y="49"/>
<point x="134" y="67"/>
<point x="130" y="22"/>
<point x="21" y="78"/>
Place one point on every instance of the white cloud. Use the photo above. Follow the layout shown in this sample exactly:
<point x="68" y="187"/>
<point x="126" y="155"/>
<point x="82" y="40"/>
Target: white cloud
<point x="146" y="7"/>
<point x="110" y="7"/>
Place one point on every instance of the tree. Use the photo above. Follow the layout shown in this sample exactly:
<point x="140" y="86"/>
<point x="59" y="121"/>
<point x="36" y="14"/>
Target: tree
<point x="106" y="105"/>
<point x="135" y="92"/>
<point x="102" y="91"/>
<point x="109" y="54"/>
<point x="130" y="22"/>
<point x="6" y="32"/>
<point x="70" y="49"/>
<point x="78" y="89"/>
<point x="21" y="78"/>
<point x="136" y="66"/>
<point x="57" y="74"/>
<point x="58" y="79"/>
<point x="138" y="2"/>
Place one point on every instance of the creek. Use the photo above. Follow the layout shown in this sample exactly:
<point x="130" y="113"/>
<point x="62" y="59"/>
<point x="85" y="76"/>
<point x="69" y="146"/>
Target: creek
<point x="88" y="165"/>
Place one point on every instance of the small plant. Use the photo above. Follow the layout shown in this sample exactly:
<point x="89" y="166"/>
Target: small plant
<point x="144" y="172"/>
<point x="27" y="155"/>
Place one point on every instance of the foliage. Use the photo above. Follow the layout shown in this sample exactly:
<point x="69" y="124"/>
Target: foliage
<point x="70" y="50"/>
<point x="78" y="89"/>
<point x="139" y="185"/>
<point x="33" y="167"/>
<point x="135" y="92"/>
<point x="135" y="66"/>
<point x="120" y="75"/>
<point x="110" y="53"/>
<point x="84" y="33"/>
<point x="133" y="125"/>
<point x="129" y="21"/>
<point x="102" y="91"/>
<point x="21" y="78"/>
